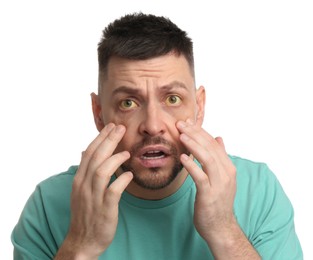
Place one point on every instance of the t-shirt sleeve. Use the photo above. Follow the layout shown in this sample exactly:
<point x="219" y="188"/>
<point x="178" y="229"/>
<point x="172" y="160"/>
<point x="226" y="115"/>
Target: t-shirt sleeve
<point x="31" y="237"/>
<point x="275" y="236"/>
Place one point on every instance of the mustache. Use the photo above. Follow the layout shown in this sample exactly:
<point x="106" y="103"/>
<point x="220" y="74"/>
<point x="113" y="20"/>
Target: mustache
<point x="158" y="140"/>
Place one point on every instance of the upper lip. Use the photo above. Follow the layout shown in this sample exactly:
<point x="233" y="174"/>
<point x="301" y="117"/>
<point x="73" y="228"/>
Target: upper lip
<point x="154" y="148"/>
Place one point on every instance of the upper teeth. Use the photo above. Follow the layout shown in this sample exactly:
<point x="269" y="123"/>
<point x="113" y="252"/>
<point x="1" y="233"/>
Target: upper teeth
<point x="161" y="155"/>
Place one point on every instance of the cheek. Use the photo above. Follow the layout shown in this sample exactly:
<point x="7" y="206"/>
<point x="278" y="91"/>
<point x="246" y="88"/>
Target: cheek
<point x="183" y="113"/>
<point x="112" y="116"/>
<point x="130" y="137"/>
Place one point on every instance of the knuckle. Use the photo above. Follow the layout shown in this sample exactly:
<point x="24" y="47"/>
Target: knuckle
<point x="203" y="182"/>
<point x="232" y="170"/>
<point x="87" y="154"/>
<point x="96" y="156"/>
<point x="209" y="160"/>
<point x="113" y="192"/>
<point x="227" y="180"/>
<point x="210" y="139"/>
<point x="76" y="183"/>
<point x="230" y="179"/>
<point x="101" y="174"/>
<point x="80" y="193"/>
<point x="85" y="191"/>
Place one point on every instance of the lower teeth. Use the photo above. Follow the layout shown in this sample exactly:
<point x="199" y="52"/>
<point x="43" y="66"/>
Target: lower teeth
<point x="153" y="158"/>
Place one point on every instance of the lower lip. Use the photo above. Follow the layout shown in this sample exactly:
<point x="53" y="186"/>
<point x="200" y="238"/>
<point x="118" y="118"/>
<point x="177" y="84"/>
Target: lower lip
<point x="154" y="162"/>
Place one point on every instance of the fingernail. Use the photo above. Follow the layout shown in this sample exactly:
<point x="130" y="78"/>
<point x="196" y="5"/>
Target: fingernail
<point x="129" y="173"/>
<point x="184" y="157"/>
<point x="120" y="129"/>
<point x="109" y="127"/>
<point x="126" y="153"/>
<point x="184" y="137"/>
<point x="181" y="124"/>
<point x="190" y="121"/>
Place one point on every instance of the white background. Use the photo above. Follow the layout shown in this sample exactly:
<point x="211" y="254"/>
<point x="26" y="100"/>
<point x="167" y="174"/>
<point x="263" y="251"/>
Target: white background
<point x="255" y="59"/>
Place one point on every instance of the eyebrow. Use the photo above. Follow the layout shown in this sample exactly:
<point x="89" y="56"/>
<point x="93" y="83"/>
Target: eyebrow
<point x="174" y="85"/>
<point x="133" y="91"/>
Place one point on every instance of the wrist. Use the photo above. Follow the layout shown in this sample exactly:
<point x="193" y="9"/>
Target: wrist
<point x="224" y="235"/>
<point x="231" y="242"/>
<point x="71" y="250"/>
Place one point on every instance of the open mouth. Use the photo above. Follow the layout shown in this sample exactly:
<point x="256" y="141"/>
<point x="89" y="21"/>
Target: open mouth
<point x="153" y="155"/>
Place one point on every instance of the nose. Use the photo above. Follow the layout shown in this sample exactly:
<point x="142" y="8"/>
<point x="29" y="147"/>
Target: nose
<point x="152" y="121"/>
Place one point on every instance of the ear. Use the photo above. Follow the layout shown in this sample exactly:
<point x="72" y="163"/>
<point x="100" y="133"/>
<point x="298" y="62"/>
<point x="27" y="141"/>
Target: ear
<point x="200" y="99"/>
<point x="96" y="110"/>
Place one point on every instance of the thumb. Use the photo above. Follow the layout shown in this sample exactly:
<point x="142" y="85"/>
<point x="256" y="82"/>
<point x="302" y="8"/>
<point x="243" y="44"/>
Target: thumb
<point x="220" y="141"/>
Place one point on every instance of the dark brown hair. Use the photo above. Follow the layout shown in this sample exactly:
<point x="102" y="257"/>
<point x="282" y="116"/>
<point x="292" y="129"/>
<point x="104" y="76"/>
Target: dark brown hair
<point x="139" y="36"/>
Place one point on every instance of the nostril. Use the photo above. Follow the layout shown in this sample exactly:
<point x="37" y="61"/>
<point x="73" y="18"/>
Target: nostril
<point x="152" y="127"/>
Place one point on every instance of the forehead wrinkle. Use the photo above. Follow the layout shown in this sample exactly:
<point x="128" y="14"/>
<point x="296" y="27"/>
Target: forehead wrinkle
<point x="137" y="91"/>
<point x="126" y="90"/>
<point x="174" y="85"/>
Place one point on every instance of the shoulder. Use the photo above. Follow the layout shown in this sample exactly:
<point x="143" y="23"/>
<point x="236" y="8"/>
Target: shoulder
<point x="251" y="172"/>
<point x="57" y="188"/>
<point x="258" y="191"/>
<point x="264" y="211"/>
<point x="45" y="217"/>
<point x="61" y="180"/>
<point x="256" y="183"/>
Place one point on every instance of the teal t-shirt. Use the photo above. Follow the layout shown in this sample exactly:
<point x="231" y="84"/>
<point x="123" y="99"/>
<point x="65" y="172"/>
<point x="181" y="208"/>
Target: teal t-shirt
<point x="163" y="229"/>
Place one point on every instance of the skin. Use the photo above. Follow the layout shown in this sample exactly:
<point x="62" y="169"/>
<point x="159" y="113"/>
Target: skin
<point x="151" y="114"/>
<point x="144" y="100"/>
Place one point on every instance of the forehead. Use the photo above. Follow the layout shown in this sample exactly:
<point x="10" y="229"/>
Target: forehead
<point x="157" y="71"/>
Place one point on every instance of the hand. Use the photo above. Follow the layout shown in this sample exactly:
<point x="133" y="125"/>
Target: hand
<point x="94" y="204"/>
<point x="215" y="182"/>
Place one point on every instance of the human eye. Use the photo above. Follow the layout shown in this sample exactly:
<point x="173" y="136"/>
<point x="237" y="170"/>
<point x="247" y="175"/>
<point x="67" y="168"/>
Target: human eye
<point x="127" y="104"/>
<point x="173" y="100"/>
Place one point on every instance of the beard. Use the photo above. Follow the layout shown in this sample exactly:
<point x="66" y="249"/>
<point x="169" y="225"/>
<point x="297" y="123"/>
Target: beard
<point x="158" y="177"/>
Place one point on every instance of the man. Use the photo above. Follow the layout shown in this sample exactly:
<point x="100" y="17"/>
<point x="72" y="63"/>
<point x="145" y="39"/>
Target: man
<point x="154" y="184"/>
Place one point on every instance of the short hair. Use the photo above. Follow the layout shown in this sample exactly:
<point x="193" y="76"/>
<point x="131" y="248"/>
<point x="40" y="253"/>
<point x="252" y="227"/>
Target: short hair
<point x="141" y="36"/>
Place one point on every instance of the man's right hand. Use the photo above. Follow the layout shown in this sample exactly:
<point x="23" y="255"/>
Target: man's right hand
<point x="94" y="204"/>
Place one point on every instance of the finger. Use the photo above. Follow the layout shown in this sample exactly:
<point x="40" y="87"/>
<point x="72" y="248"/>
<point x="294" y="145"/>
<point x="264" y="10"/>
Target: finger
<point x="104" y="173"/>
<point x="113" y="193"/>
<point x="220" y="141"/>
<point x="208" y="159"/>
<point x="201" y="152"/>
<point x="224" y="158"/>
<point x="199" y="121"/>
<point x="200" y="178"/>
<point x="200" y="136"/>
<point x="86" y="155"/>
<point x="194" y="131"/>
<point x="105" y="149"/>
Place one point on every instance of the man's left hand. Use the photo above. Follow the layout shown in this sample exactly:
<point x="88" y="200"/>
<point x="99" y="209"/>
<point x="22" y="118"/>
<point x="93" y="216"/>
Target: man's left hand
<point x="215" y="182"/>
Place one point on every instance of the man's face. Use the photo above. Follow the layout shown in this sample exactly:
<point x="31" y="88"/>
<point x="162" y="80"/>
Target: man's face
<point x="148" y="97"/>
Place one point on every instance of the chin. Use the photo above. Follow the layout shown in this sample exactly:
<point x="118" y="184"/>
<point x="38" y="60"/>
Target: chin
<point x="154" y="178"/>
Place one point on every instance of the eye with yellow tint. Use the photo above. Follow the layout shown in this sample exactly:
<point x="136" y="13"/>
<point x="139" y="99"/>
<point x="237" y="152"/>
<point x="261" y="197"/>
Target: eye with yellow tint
<point x="173" y="100"/>
<point x="128" y="104"/>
